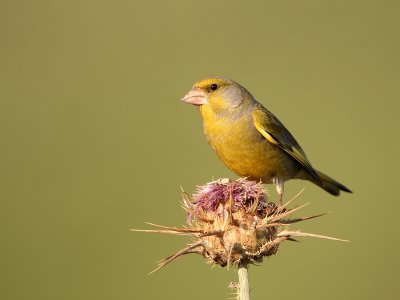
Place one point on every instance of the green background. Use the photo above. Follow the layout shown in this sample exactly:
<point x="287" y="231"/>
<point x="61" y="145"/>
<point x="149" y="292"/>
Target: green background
<point x="94" y="140"/>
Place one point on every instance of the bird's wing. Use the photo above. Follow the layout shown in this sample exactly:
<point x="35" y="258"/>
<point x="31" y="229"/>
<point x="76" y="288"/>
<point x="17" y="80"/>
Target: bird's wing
<point x="276" y="133"/>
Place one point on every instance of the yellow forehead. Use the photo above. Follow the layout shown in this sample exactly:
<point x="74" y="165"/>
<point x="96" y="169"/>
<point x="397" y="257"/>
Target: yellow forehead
<point x="205" y="83"/>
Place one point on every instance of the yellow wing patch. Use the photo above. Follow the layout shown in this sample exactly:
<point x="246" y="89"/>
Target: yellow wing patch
<point x="265" y="133"/>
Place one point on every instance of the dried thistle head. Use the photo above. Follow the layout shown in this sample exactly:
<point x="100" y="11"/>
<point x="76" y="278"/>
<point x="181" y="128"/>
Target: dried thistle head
<point x="232" y="222"/>
<point x="230" y="215"/>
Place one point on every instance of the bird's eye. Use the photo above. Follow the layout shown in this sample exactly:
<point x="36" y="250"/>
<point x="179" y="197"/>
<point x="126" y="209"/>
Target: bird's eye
<point x="214" y="87"/>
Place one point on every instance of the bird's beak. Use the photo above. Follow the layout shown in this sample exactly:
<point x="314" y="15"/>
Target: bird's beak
<point x="195" y="97"/>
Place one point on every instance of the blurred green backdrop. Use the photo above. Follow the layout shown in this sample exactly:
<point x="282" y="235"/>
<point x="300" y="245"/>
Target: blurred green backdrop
<point x="94" y="141"/>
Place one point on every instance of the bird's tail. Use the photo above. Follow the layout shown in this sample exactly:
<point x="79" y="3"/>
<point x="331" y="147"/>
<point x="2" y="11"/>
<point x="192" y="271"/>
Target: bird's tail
<point x="330" y="185"/>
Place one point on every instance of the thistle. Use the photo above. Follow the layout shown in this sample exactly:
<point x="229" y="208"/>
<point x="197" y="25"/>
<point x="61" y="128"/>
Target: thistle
<point x="234" y="223"/>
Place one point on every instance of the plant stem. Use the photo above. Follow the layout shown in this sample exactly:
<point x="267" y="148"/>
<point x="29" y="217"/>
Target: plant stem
<point x="244" y="290"/>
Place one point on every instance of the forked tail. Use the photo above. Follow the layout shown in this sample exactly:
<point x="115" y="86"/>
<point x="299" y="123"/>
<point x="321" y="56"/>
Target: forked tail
<point x="330" y="185"/>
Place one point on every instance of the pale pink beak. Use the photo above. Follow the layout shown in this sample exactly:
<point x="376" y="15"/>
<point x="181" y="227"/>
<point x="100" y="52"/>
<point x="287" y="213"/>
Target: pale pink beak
<point x="195" y="97"/>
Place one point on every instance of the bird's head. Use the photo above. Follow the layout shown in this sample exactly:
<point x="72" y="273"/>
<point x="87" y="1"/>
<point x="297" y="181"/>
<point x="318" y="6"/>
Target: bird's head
<point x="217" y="94"/>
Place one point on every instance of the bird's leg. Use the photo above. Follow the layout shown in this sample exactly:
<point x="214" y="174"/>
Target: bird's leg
<point x="280" y="198"/>
<point x="279" y="188"/>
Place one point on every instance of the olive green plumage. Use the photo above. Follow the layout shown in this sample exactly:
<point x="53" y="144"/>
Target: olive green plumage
<point x="251" y="140"/>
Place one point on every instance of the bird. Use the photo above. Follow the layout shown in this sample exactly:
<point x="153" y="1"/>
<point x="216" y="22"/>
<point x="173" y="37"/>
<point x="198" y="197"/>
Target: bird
<point x="250" y="139"/>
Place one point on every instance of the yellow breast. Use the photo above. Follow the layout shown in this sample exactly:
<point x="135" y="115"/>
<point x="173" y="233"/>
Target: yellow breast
<point x="243" y="149"/>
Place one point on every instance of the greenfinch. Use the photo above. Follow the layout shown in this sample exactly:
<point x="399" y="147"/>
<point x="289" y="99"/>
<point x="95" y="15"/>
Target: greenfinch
<point x="249" y="139"/>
